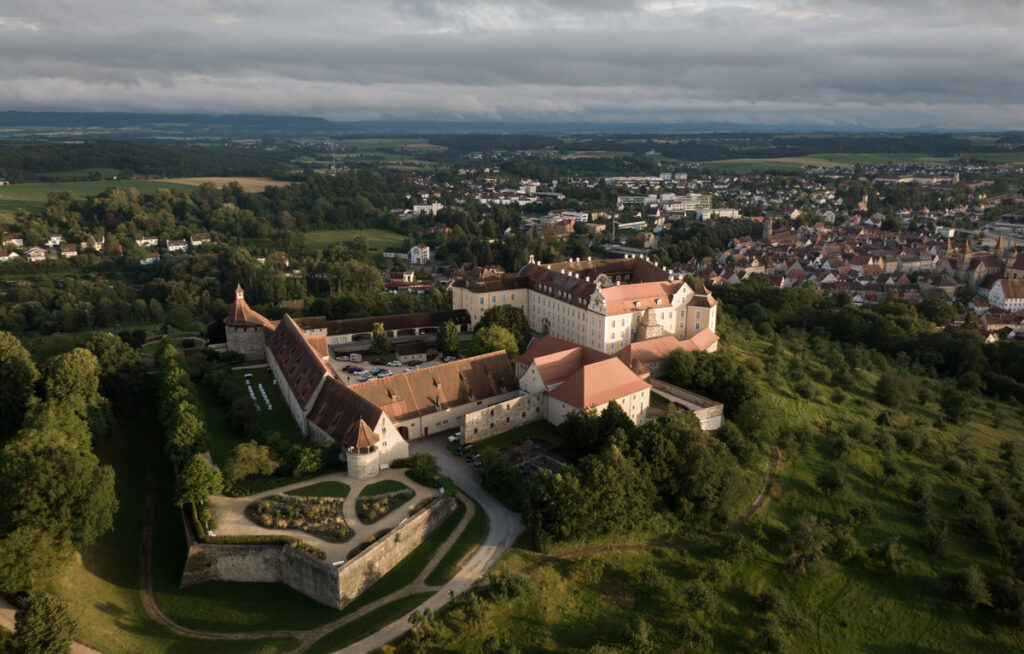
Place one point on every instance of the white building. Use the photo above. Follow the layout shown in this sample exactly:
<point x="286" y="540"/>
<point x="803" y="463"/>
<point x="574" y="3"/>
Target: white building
<point x="1007" y="294"/>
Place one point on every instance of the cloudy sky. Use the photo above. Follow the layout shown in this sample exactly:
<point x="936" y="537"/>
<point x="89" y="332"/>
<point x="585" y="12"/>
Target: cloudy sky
<point x="954" y="64"/>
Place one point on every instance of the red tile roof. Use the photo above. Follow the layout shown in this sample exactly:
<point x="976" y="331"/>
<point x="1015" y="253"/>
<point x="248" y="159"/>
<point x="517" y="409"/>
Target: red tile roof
<point x="342" y="414"/>
<point x="300" y="364"/>
<point x="598" y="383"/>
<point x="425" y="391"/>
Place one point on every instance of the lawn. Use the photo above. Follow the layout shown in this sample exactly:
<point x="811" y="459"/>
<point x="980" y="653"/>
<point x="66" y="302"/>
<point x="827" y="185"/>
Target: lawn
<point x="468" y="540"/>
<point x="32" y="197"/>
<point x="102" y="586"/>
<point x="382" y="487"/>
<point x="857" y="605"/>
<point x="377" y="239"/>
<point x="322" y="489"/>
<point x="223" y="438"/>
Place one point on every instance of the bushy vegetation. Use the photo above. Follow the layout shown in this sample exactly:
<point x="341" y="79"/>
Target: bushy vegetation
<point x="320" y="516"/>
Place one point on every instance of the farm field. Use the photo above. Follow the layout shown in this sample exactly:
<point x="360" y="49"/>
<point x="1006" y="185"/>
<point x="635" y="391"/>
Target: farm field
<point x="248" y="184"/>
<point x="791" y="164"/>
<point x="32" y="197"/>
<point x="378" y="239"/>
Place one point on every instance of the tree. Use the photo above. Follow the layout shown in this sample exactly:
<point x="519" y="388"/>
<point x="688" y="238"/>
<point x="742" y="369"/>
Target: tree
<point x="889" y="553"/>
<point x="889" y="391"/>
<point x="808" y="537"/>
<point x="492" y="339"/>
<point x="29" y="558"/>
<point x="73" y="374"/>
<point x="957" y="406"/>
<point x="759" y="421"/>
<point x="497" y="473"/>
<point x="197" y="481"/>
<point x="18" y="375"/>
<point x="118" y="362"/>
<point x="186" y="433"/>
<point x="56" y="487"/>
<point x="511" y="318"/>
<point x="423" y="468"/>
<point x="448" y="338"/>
<point x="970" y="585"/>
<point x="43" y="626"/>
<point x="250" y="458"/>
<point x="379" y="340"/>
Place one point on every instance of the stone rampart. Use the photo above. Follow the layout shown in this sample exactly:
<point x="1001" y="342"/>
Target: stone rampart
<point x="322" y="581"/>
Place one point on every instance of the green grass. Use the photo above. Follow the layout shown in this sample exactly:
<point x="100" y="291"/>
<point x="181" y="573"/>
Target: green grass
<point x="382" y="487"/>
<point x="370" y="623"/>
<point x="377" y="239"/>
<point x="410" y="567"/>
<point x="32" y="197"/>
<point x="794" y="164"/>
<point x="322" y="489"/>
<point x="471" y="536"/>
<point x="102" y="587"/>
<point x="542" y="430"/>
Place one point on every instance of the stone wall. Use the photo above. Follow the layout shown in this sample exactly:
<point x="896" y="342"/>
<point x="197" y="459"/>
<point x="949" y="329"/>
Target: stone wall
<point x="322" y="581"/>
<point x="262" y="563"/>
<point x="501" y="417"/>
<point x="250" y="341"/>
<point x="374" y="562"/>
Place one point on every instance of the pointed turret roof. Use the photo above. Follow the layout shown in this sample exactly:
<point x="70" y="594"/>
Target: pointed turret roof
<point x="241" y="315"/>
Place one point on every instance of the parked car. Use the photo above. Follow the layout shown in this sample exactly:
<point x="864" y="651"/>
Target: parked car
<point x="463" y="449"/>
<point x="378" y="362"/>
<point x="454" y="437"/>
<point x="449" y="359"/>
<point x="386" y="373"/>
<point x="394" y="363"/>
<point x="412" y="368"/>
<point x="365" y="378"/>
<point x="342" y="357"/>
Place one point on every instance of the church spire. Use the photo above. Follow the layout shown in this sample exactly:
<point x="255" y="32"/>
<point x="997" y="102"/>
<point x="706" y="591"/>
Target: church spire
<point x="239" y="293"/>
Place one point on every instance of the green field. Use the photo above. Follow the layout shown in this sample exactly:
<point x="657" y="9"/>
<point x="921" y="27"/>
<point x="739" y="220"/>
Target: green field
<point x="794" y="164"/>
<point x="572" y="601"/>
<point x="32" y="197"/>
<point x="377" y="239"/>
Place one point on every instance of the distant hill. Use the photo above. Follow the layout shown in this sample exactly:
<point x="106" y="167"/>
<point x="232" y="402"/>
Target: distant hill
<point x="66" y="124"/>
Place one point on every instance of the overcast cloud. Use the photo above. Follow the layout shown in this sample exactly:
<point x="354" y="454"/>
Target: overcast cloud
<point x="953" y="64"/>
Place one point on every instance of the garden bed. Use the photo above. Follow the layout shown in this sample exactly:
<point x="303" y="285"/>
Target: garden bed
<point x="372" y="508"/>
<point x="320" y="516"/>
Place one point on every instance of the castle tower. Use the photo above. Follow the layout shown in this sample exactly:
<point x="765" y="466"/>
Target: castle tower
<point x="768" y="225"/>
<point x="244" y="328"/>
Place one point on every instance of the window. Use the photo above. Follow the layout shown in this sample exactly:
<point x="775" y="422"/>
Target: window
<point x="698" y="315"/>
<point x="696" y="326"/>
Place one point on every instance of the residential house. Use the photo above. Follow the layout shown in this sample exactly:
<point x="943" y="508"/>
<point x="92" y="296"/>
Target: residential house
<point x="15" y="240"/>
<point x="177" y="245"/>
<point x="68" y="250"/>
<point x="34" y="254"/>
<point x="200" y="239"/>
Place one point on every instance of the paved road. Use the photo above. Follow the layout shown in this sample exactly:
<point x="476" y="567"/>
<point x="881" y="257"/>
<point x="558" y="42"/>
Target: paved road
<point x="505" y="527"/>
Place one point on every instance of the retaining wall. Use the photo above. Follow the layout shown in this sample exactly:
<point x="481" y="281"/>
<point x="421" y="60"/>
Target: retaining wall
<point x="322" y="581"/>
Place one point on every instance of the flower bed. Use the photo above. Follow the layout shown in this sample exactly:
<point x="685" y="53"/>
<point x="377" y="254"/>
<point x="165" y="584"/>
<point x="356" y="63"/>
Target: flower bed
<point x="320" y="516"/>
<point x="372" y="508"/>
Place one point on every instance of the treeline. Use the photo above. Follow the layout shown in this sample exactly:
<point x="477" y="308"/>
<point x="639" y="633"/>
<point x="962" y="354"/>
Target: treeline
<point x="37" y="162"/>
<point x="892" y="327"/>
<point x="55" y="495"/>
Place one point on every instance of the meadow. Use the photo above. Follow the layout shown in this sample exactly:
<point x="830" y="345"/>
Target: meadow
<point x="377" y="239"/>
<point x="32" y="197"/>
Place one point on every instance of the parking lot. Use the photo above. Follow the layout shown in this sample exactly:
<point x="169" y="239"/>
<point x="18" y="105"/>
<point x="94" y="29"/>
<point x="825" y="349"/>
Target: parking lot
<point x="358" y="372"/>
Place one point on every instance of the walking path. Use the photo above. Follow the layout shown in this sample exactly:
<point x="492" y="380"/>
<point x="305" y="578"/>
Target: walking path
<point x="232" y="521"/>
